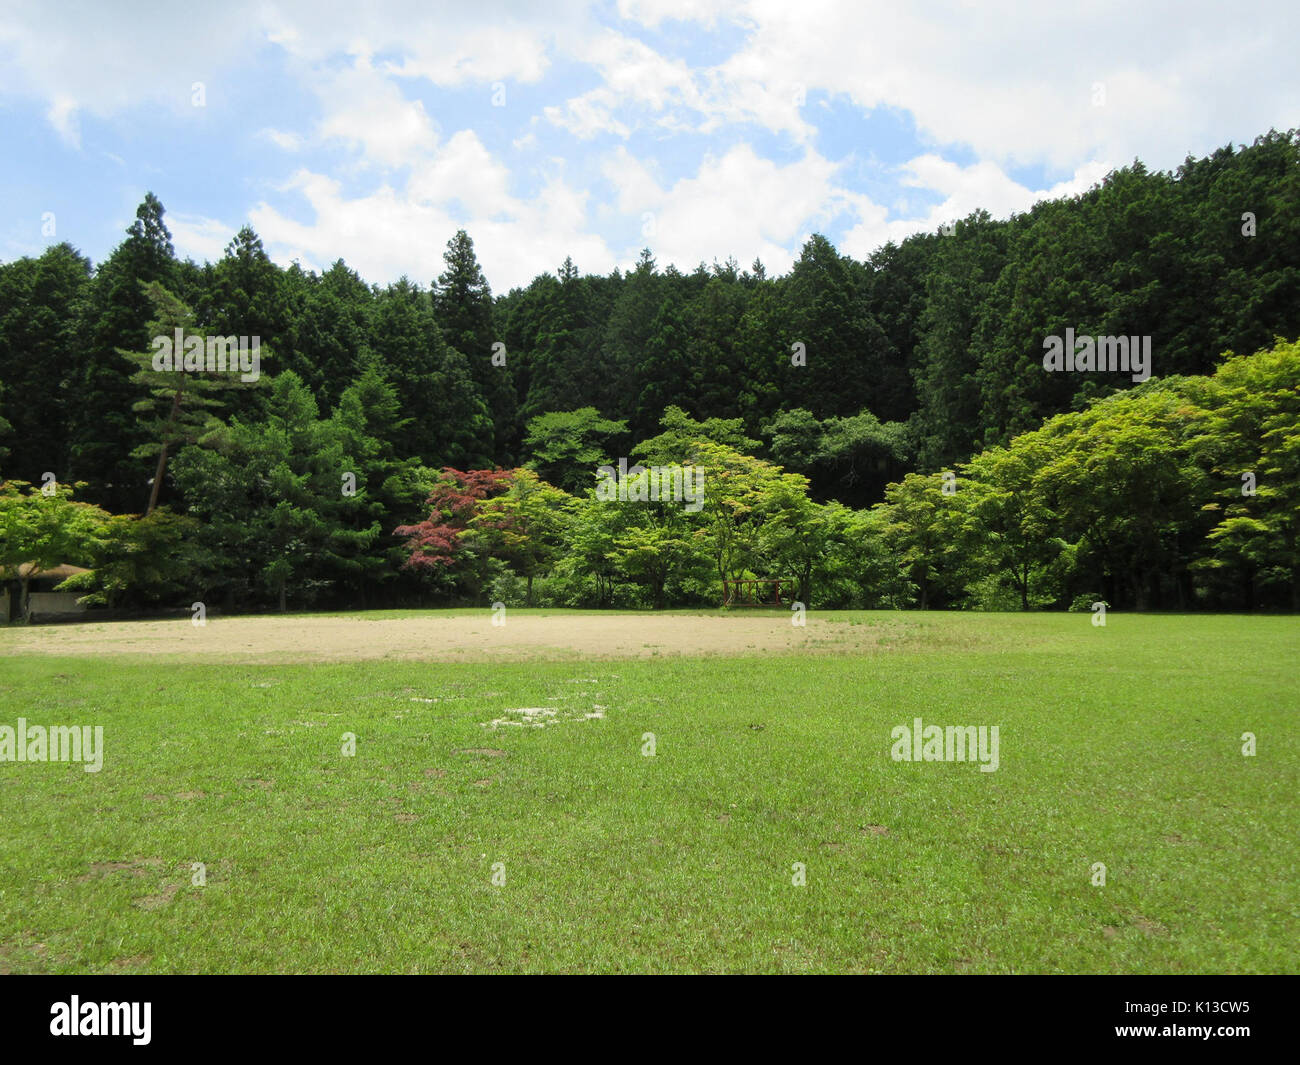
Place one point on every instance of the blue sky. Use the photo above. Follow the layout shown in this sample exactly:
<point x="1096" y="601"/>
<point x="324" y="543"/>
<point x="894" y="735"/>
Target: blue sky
<point x="700" y="128"/>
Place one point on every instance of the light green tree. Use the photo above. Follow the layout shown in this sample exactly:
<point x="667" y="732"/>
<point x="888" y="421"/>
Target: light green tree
<point x="41" y="529"/>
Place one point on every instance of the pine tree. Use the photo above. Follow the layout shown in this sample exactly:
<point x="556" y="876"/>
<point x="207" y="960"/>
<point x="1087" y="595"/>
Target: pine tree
<point x="182" y="404"/>
<point x="463" y="307"/>
<point x="103" y="429"/>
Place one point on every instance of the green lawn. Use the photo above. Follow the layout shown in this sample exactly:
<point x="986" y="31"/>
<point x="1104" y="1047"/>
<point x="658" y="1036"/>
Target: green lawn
<point x="1119" y="745"/>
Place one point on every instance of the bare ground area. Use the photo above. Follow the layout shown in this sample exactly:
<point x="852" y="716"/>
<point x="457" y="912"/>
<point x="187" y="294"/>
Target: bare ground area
<point x="460" y="638"/>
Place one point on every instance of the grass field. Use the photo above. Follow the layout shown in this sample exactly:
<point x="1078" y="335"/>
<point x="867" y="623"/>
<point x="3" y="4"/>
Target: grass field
<point x="1119" y="745"/>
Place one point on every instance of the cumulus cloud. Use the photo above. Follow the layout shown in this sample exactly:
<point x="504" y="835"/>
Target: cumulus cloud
<point x="114" y="59"/>
<point x="964" y="189"/>
<point x="365" y="110"/>
<point x="199" y="238"/>
<point x="1063" y="91"/>
<point x="395" y="231"/>
<point x="1015" y="82"/>
<point x="634" y="77"/>
<point x="106" y="62"/>
<point x="703" y="217"/>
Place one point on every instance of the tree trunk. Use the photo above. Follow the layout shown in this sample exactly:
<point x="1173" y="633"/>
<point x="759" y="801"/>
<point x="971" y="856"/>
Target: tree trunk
<point x="162" y="455"/>
<point x="157" y="480"/>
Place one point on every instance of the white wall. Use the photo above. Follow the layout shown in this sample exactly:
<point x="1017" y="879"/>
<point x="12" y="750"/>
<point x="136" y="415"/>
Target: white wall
<point x="55" y="603"/>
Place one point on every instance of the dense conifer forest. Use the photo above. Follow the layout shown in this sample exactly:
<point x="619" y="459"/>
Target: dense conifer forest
<point x="879" y="432"/>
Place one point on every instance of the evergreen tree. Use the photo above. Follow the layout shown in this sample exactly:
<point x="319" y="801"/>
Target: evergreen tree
<point x="464" y="310"/>
<point x="559" y="378"/>
<point x="42" y="307"/>
<point x="103" y="430"/>
<point x="443" y="421"/>
<point x="664" y="374"/>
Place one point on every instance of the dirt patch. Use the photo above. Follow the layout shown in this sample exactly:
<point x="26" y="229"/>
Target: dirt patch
<point x="129" y="964"/>
<point x="875" y="830"/>
<point x="1149" y="927"/>
<point x="157" y="902"/>
<point x="136" y="868"/>
<point x="439" y="638"/>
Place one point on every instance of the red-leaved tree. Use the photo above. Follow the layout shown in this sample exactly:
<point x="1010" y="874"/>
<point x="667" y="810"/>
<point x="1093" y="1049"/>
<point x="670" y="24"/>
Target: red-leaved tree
<point x="453" y="504"/>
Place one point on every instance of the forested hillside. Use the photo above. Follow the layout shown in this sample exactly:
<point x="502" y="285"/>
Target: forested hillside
<point x="840" y="385"/>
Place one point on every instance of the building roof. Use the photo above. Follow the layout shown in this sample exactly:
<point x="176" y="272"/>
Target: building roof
<point x="59" y="572"/>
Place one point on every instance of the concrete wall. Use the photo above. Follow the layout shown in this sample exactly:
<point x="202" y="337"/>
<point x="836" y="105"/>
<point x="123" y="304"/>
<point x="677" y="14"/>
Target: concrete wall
<point x="56" y="603"/>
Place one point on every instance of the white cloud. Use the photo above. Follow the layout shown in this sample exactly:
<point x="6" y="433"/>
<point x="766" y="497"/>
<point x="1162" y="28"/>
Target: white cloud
<point x="391" y="231"/>
<point x="367" y="111"/>
<point x="1013" y="85"/>
<point x="639" y="84"/>
<point x="108" y="60"/>
<point x="702" y="218"/>
<point x="707" y="216"/>
<point x="1014" y="82"/>
<point x="199" y="238"/>
<point x="464" y="171"/>
<point x="633" y="75"/>
<point x="652" y="12"/>
<point x="63" y="117"/>
<point x="965" y="189"/>
<point x="589" y="114"/>
<point x="288" y="141"/>
<point x="114" y="59"/>
<point x="499" y="53"/>
<point x="490" y="40"/>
